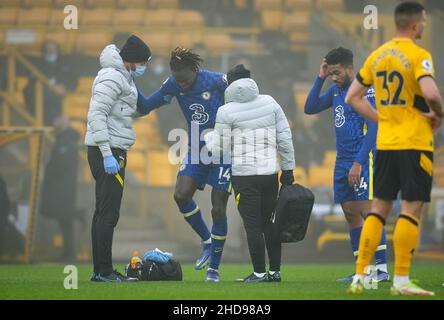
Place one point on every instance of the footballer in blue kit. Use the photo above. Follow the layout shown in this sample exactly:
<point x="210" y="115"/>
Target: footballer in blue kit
<point x="199" y="93"/>
<point x="355" y="149"/>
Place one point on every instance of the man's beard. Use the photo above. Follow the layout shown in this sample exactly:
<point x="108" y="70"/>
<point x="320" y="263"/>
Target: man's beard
<point x="346" y="82"/>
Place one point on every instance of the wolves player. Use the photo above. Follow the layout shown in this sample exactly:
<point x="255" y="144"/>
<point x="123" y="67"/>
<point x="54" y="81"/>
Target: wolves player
<point x="409" y="110"/>
<point x="199" y="93"/>
<point x="355" y="144"/>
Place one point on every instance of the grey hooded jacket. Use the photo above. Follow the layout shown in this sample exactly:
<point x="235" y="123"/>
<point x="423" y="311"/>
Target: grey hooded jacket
<point x="112" y="107"/>
<point x="254" y="129"/>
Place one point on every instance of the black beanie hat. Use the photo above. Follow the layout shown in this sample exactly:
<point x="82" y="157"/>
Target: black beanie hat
<point x="135" y="50"/>
<point x="237" y="72"/>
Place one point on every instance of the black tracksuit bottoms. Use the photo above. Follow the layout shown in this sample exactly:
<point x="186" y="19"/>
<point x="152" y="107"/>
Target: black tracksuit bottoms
<point x="256" y="198"/>
<point x="109" y="190"/>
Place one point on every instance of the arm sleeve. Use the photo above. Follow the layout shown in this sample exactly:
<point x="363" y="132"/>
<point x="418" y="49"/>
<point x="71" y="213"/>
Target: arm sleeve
<point x="424" y="66"/>
<point x="369" y="139"/>
<point x="159" y="98"/>
<point x="315" y="102"/>
<point x="222" y="82"/>
<point x="219" y="140"/>
<point x="284" y="140"/>
<point x="104" y="96"/>
<point x="365" y="75"/>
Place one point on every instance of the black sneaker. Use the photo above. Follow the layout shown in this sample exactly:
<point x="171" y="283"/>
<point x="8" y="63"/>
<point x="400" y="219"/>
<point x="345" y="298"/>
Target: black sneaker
<point x="95" y="277"/>
<point x="114" y="276"/>
<point x="275" y="277"/>
<point x="253" y="278"/>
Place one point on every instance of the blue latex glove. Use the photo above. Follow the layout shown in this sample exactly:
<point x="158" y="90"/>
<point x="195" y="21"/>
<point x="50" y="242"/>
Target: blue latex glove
<point x="111" y="165"/>
<point x="158" y="256"/>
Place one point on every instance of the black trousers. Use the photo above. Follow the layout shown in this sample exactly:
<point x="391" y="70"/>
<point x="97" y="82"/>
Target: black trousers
<point x="256" y="198"/>
<point x="109" y="190"/>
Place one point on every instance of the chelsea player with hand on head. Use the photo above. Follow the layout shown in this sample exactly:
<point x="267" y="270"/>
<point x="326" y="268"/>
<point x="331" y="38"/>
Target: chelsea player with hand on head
<point x="355" y="147"/>
<point x="200" y="93"/>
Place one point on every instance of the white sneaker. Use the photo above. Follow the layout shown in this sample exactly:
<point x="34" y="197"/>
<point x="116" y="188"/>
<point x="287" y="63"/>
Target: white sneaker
<point x="410" y="289"/>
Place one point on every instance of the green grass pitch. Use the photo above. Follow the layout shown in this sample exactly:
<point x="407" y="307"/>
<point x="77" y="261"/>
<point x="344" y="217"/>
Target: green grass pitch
<point x="300" y="281"/>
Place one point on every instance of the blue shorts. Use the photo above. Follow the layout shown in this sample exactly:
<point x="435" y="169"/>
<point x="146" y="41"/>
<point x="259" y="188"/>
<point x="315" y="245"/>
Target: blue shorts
<point x="343" y="192"/>
<point x="216" y="175"/>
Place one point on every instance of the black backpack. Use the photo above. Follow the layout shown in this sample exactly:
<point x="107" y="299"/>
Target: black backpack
<point x="292" y="214"/>
<point x="149" y="270"/>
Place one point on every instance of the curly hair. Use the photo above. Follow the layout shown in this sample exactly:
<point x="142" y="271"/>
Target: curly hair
<point x="184" y="58"/>
<point x="340" y="56"/>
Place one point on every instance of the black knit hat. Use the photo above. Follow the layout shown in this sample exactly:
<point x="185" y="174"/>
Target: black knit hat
<point x="135" y="50"/>
<point x="237" y="72"/>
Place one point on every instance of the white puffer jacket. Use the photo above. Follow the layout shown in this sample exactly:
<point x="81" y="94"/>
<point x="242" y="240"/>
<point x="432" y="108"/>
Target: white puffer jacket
<point x="112" y="107"/>
<point x="254" y="129"/>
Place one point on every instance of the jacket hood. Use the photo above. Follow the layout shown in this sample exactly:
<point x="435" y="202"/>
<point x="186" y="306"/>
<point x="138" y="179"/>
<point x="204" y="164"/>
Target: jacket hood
<point x="242" y="90"/>
<point x="110" y="58"/>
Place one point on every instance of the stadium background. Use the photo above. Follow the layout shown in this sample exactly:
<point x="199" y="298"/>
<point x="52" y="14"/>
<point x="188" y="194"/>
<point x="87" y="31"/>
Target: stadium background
<point x="281" y="41"/>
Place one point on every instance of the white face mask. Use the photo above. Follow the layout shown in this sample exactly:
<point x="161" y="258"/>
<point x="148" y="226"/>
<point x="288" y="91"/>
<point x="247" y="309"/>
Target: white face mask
<point x="138" y="72"/>
<point x="51" y="57"/>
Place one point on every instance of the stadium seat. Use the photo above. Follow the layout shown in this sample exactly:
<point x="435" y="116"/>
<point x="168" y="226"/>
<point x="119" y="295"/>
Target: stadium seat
<point x="184" y="39"/>
<point x="320" y="176"/>
<point x="139" y="174"/>
<point x="159" y="42"/>
<point x="34" y="16"/>
<point x="298" y="47"/>
<point x="148" y="130"/>
<point x="76" y="113"/>
<point x="77" y="100"/>
<point x="37" y="3"/>
<point x="133" y="4"/>
<point x="76" y="106"/>
<point x="271" y="20"/>
<point x="330" y="5"/>
<point x="128" y="17"/>
<point x="189" y="18"/>
<point x="241" y="4"/>
<point x="300" y="96"/>
<point x="62" y="3"/>
<point x="160" y="18"/>
<point x="299" y="37"/>
<point x="218" y="42"/>
<point x="92" y="43"/>
<point x="10" y="3"/>
<point x="84" y="85"/>
<point x="136" y="161"/>
<point x="101" y="3"/>
<point x="8" y="16"/>
<point x="300" y="175"/>
<point x="298" y="5"/>
<point x="62" y="38"/>
<point x="57" y="17"/>
<point x="299" y="41"/>
<point x="329" y="158"/>
<point x="96" y="17"/>
<point x="260" y="5"/>
<point x="163" y="4"/>
<point x="296" y="22"/>
<point x="160" y="171"/>
<point x="329" y="236"/>
<point x="140" y="144"/>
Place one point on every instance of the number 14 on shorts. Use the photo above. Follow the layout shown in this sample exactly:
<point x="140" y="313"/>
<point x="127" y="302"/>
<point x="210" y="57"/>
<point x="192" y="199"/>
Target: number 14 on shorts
<point x="362" y="185"/>
<point x="226" y="174"/>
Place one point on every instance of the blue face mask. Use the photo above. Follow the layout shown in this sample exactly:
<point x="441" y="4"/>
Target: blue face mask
<point x="138" y="72"/>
